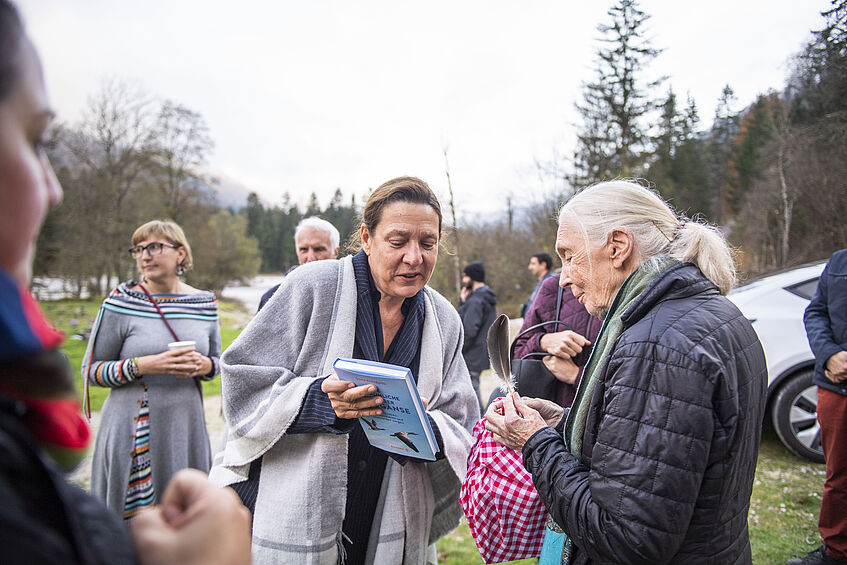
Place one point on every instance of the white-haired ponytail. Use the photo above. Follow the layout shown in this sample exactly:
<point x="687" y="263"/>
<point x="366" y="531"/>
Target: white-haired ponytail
<point x="704" y="246"/>
<point x="656" y="229"/>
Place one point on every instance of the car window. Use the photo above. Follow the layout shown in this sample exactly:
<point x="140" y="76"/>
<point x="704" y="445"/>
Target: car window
<point x="805" y="289"/>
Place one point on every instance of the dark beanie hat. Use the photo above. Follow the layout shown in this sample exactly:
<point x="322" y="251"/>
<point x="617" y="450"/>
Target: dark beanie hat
<point x="475" y="271"/>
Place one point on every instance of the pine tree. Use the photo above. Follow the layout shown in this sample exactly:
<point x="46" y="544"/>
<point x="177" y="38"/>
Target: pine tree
<point x="690" y="171"/>
<point x="666" y="142"/>
<point x="724" y="129"/>
<point x="818" y="86"/>
<point x="755" y="131"/>
<point x="613" y="139"/>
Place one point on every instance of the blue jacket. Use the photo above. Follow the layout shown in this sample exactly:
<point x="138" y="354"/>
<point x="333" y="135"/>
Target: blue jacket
<point x="826" y="319"/>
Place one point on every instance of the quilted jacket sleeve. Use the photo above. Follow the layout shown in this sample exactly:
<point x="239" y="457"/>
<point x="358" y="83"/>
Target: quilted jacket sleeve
<point x="653" y="433"/>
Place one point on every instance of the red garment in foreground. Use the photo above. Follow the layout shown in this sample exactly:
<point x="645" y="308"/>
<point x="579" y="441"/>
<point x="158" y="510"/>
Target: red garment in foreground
<point x="504" y="512"/>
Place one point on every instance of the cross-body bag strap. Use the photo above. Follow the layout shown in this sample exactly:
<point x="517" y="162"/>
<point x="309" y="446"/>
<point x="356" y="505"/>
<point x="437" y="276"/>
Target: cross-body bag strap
<point x="541" y="325"/>
<point x="173" y="333"/>
<point x="159" y="310"/>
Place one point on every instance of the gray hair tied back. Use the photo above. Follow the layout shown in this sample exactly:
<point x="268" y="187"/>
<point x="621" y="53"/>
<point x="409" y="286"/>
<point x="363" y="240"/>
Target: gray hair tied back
<point x="655" y="228"/>
<point x="678" y="231"/>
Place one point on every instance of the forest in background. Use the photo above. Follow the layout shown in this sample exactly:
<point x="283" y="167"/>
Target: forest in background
<point x="769" y="172"/>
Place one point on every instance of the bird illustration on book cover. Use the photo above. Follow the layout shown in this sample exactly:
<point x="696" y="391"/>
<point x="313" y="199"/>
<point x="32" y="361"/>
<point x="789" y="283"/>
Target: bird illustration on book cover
<point x="404" y="437"/>
<point x="372" y="424"/>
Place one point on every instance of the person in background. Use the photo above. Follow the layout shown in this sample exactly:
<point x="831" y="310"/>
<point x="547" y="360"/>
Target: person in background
<point x="315" y="240"/>
<point x="655" y="460"/>
<point x="540" y="265"/>
<point x="43" y="517"/>
<point x="478" y="310"/>
<point x="153" y="423"/>
<point x="568" y="346"/>
<point x="826" y="328"/>
<point x="295" y="452"/>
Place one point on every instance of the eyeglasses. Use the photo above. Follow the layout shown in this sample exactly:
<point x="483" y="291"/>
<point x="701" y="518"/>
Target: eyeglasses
<point x="153" y="249"/>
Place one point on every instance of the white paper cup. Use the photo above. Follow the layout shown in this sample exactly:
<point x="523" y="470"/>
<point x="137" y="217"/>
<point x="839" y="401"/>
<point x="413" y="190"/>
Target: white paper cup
<point x="174" y="345"/>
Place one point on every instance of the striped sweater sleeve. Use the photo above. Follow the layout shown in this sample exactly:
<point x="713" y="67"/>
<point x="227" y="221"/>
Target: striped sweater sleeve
<point x="113" y="374"/>
<point x="102" y="365"/>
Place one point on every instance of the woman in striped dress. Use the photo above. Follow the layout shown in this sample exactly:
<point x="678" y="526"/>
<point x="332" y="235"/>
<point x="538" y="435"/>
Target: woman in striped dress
<point x="152" y="423"/>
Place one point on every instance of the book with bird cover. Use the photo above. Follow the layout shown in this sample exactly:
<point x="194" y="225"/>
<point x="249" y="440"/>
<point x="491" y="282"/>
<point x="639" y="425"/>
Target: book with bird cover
<point x="403" y="427"/>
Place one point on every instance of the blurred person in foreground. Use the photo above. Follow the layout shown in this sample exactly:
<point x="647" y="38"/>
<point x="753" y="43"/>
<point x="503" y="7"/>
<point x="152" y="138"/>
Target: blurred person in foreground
<point x="315" y="240"/>
<point x="295" y="452"/>
<point x="654" y="462"/>
<point x="826" y="328"/>
<point x="153" y="423"/>
<point x="44" y="518"/>
<point x="478" y="310"/>
<point x="541" y="266"/>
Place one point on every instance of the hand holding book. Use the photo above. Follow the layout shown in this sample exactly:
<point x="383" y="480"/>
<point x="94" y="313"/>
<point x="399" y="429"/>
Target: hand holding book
<point x="395" y="418"/>
<point x="351" y="401"/>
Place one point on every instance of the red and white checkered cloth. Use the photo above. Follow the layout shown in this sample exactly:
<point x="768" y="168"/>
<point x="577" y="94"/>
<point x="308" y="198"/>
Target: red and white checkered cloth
<point x="504" y="512"/>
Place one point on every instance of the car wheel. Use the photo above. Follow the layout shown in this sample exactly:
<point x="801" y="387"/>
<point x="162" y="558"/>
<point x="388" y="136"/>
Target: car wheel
<point x="794" y="416"/>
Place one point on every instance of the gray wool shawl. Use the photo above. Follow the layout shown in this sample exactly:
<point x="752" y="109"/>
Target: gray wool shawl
<point x="294" y="339"/>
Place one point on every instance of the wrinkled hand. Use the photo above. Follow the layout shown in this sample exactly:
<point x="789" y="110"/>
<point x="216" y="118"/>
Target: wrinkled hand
<point x="185" y="362"/>
<point x="349" y="400"/>
<point x="836" y="367"/>
<point x="565" y="370"/>
<point x="195" y="523"/>
<point x="563" y="344"/>
<point x="517" y="422"/>
<point x="550" y="411"/>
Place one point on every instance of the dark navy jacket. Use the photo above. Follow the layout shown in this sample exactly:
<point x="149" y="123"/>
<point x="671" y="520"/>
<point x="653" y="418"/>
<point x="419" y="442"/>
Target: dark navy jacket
<point x="478" y="312"/>
<point x="826" y="319"/>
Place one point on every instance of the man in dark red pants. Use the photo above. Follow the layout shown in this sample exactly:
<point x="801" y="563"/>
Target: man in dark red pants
<point x="826" y="328"/>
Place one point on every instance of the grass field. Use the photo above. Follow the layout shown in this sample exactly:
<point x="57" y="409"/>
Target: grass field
<point x="76" y="316"/>
<point x="783" y="510"/>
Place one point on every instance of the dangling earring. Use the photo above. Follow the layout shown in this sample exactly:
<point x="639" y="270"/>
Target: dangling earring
<point x="180" y="270"/>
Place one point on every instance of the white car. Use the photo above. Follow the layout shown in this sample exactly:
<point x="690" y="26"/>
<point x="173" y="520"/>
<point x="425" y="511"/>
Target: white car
<point x="774" y="304"/>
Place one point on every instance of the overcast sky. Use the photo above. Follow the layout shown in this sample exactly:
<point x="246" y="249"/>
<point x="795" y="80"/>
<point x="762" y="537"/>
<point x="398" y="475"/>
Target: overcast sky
<point x="314" y="95"/>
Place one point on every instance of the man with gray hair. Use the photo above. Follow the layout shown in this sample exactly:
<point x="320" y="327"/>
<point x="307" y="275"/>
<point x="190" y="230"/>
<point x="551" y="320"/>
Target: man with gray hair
<point x="315" y="239"/>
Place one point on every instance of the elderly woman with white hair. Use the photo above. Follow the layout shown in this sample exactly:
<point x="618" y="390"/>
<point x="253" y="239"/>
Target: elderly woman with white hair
<point x="654" y="462"/>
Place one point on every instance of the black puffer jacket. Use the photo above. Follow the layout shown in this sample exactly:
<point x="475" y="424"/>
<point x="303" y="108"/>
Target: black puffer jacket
<point x="670" y="444"/>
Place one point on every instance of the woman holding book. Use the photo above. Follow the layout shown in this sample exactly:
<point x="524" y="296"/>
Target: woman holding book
<point x="295" y="451"/>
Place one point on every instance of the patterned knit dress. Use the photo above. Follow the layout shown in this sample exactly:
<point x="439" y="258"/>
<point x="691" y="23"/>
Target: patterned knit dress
<point x="152" y="425"/>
